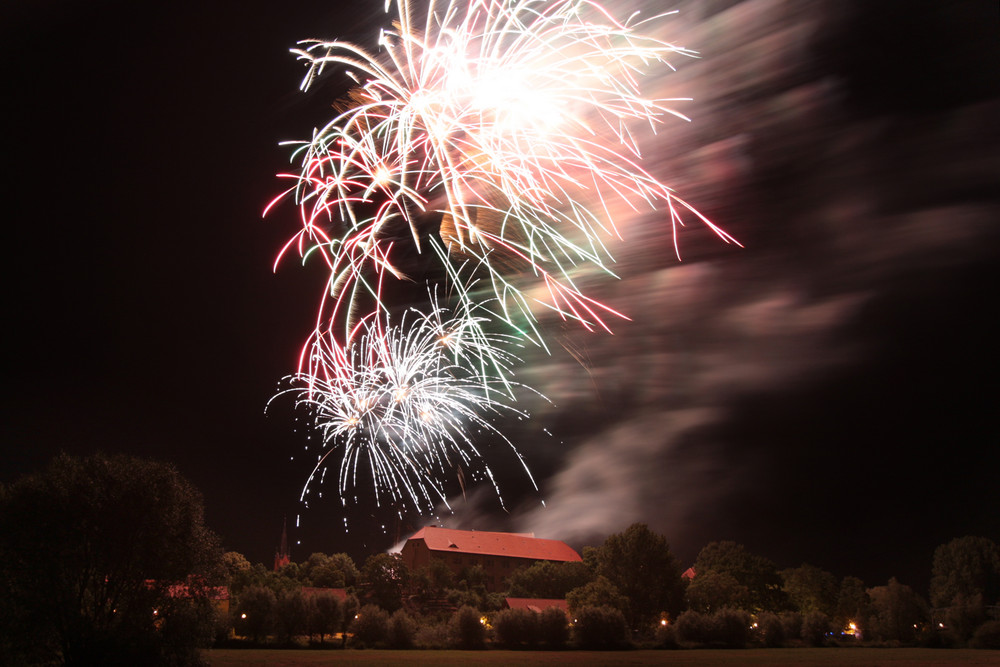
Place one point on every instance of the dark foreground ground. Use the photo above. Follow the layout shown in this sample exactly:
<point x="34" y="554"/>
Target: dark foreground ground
<point x="851" y="657"/>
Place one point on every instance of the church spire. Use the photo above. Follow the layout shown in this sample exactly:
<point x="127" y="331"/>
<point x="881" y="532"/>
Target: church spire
<point x="281" y="557"/>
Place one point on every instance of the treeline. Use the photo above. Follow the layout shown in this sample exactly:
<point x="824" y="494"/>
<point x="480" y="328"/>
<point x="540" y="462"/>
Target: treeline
<point x="630" y="591"/>
<point x="106" y="560"/>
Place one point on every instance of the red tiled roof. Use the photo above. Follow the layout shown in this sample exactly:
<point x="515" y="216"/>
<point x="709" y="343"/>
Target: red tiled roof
<point x="211" y="592"/>
<point x="312" y="591"/>
<point x="514" y="545"/>
<point x="536" y="604"/>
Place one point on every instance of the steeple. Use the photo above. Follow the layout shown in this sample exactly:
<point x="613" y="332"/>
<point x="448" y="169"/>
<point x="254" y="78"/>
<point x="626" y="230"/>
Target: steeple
<point x="281" y="557"/>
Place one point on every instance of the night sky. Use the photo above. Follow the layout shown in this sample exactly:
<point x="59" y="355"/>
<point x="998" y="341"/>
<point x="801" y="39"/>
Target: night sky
<point x="826" y="394"/>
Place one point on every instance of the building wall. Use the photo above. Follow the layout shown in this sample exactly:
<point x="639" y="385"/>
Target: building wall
<point x="416" y="555"/>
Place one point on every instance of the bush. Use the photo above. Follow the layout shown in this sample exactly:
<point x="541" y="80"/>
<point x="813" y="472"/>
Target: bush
<point x="666" y="636"/>
<point x="371" y="627"/>
<point x="815" y="625"/>
<point x="600" y="628"/>
<point x="553" y="628"/>
<point x="987" y="636"/>
<point x="434" y="636"/>
<point x="791" y="623"/>
<point x="963" y="617"/>
<point x="730" y="628"/>
<point x="190" y="620"/>
<point x="770" y="630"/>
<point x="726" y="628"/>
<point x="693" y="627"/>
<point x="515" y="628"/>
<point x="402" y="630"/>
<point x="222" y="626"/>
<point x="467" y="630"/>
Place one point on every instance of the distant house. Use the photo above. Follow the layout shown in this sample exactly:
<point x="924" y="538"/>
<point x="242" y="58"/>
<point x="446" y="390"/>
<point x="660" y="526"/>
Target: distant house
<point x="536" y="604"/>
<point x="313" y="591"/>
<point x="218" y="595"/>
<point x="499" y="554"/>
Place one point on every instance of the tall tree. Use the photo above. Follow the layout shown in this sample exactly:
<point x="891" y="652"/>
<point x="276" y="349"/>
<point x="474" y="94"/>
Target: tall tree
<point x="810" y="589"/>
<point x="325" y="614"/>
<point x="711" y="591"/>
<point x="597" y="593"/>
<point x="99" y="556"/>
<point x="333" y="571"/>
<point x="897" y="612"/>
<point x="853" y="603"/>
<point x="256" y="613"/>
<point x="758" y="574"/>
<point x="639" y="563"/>
<point x="965" y="581"/>
<point x="385" y="577"/>
<point x="967" y="567"/>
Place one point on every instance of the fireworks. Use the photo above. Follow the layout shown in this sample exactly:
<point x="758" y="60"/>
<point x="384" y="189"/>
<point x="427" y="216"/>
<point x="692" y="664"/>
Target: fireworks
<point x="404" y="401"/>
<point x="480" y="151"/>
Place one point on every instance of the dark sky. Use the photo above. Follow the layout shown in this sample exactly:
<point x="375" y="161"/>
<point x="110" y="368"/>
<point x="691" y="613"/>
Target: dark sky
<point x="827" y="394"/>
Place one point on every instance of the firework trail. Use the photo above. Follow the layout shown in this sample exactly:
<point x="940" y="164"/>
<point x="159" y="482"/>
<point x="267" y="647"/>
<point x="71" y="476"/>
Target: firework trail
<point x="489" y="139"/>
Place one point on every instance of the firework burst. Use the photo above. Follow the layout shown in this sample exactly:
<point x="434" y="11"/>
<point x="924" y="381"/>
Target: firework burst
<point x="481" y="151"/>
<point x="509" y="124"/>
<point x="402" y="402"/>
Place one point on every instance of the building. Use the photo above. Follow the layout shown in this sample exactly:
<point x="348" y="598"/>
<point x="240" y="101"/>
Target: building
<point x="217" y="595"/>
<point x="499" y="554"/>
<point x="281" y="555"/>
<point x="537" y="605"/>
<point x="312" y="591"/>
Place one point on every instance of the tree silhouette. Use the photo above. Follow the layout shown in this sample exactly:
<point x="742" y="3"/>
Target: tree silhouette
<point x="101" y="559"/>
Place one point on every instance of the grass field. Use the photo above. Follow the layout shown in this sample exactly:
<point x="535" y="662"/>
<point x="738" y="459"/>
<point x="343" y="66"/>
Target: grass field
<point x="792" y="657"/>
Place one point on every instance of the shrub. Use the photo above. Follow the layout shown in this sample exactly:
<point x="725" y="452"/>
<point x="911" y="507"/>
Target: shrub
<point x="791" y="623"/>
<point x="516" y="628"/>
<point x="964" y="616"/>
<point x="190" y="620"/>
<point x="987" y="636"/>
<point x="726" y="628"/>
<point x="730" y="628"/>
<point x="600" y="628"/>
<point x="666" y="636"/>
<point x="770" y="630"/>
<point x="434" y="636"/>
<point x="371" y="626"/>
<point x="815" y="625"/>
<point x="402" y="630"/>
<point x="693" y="627"/>
<point x="553" y="628"/>
<point x="467" y="630"/>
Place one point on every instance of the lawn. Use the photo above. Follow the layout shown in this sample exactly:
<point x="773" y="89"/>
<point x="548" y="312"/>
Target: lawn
<point x="792" y="657"/>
